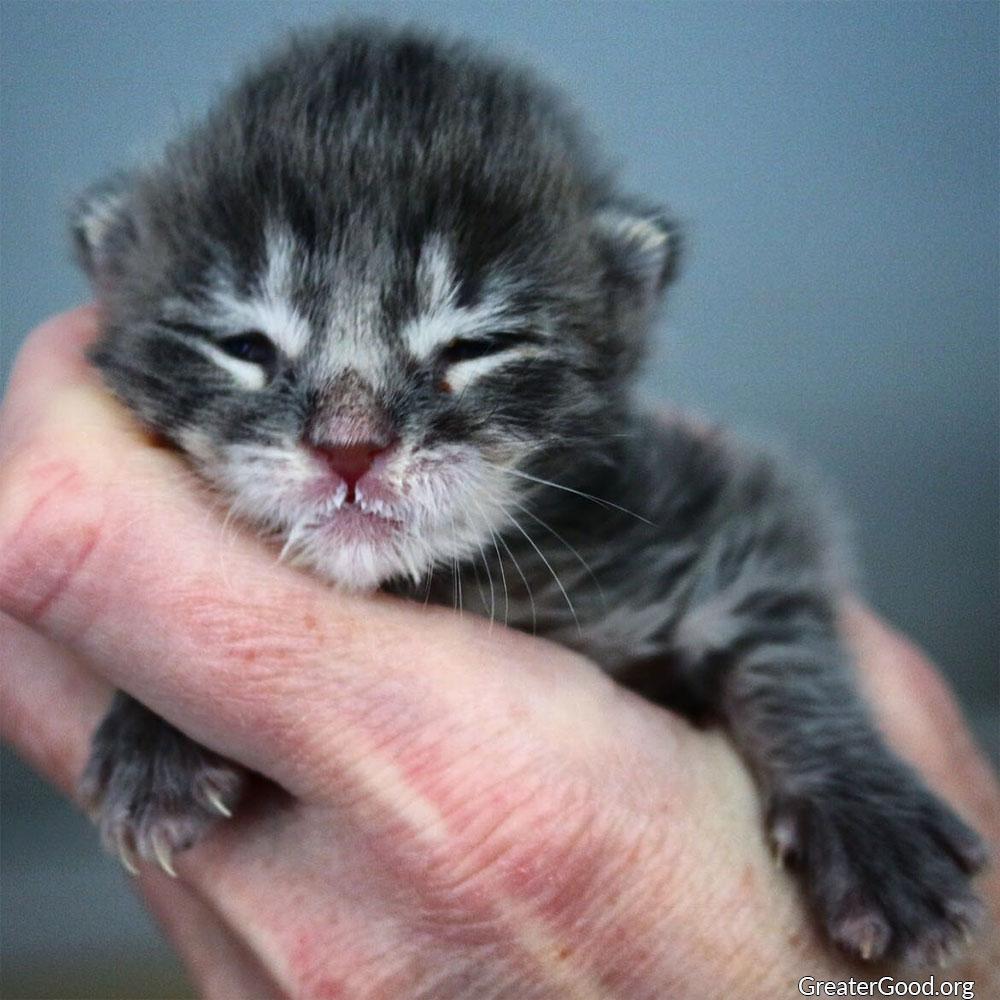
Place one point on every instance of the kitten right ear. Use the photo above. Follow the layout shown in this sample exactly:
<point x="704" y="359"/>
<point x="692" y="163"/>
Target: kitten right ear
<point x="103" y="227"/>
<point x="640" y="247"/>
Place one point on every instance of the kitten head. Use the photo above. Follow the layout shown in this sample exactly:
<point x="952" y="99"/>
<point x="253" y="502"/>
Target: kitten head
<point x="379" y="282"/>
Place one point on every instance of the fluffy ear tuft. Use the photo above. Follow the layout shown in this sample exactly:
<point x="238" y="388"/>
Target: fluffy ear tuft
<point x="103" y="227"/>
<point x="640" y="248"/>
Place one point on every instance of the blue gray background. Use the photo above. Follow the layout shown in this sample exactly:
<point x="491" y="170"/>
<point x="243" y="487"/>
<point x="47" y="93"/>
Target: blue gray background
<point x="837" y="168"/>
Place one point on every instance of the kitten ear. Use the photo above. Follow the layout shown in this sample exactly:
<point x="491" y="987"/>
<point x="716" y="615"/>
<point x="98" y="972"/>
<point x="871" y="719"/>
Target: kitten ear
<point x="640" y="248"/>
<point x="103" y="227"/>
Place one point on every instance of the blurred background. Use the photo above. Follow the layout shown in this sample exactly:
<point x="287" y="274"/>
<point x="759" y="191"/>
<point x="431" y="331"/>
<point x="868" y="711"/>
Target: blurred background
<point x="836" y="166"/>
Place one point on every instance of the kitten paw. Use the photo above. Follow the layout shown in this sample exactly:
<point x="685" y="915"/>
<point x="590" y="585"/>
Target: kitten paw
<point x="154" y="797"/>
<point x="886" y="868"/>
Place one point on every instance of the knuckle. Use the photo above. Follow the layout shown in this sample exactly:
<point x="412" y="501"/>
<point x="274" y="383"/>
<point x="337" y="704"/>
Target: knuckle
<point x="49" y="525"/>
<point x="535" y="841"/>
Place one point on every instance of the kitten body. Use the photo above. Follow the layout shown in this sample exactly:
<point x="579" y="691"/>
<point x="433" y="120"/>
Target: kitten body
<point x="390" y="306"/>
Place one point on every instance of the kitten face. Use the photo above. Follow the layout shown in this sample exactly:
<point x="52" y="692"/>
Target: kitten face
<point x="272" y="401"/>
<point x="370" y="291"/>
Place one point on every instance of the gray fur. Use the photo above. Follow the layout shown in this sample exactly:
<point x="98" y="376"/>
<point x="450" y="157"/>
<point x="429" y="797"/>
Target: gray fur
<point x="364" y="194"/>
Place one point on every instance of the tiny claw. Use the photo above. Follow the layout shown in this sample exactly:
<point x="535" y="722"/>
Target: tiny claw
<point x="782" y="853"/>
<point x="946" y="955"/>
<point x="162" y="852"/>
<point x="783" y="843"/>
<point x="216" y="801"/>
<point x="125" y="853"/>
<point x="872" y="941"/>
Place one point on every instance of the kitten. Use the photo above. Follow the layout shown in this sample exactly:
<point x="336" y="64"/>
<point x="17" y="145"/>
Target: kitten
<point x="390" y="306"/>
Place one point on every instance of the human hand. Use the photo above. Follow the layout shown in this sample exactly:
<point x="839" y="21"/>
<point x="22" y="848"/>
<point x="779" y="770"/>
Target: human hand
<point x="456" y="811"/>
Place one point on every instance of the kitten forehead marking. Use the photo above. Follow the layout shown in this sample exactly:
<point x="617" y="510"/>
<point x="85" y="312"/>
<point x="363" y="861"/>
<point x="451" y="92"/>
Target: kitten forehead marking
<point x="436" y="285"/>
<point x="269" y="309"/>
<point x="441" y="319"/>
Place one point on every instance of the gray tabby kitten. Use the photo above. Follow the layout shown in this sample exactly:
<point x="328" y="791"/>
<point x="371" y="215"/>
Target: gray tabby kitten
<point x="390" y="307"/>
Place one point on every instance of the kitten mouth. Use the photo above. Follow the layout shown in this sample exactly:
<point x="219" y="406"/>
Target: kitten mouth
<point x="362" y="521"/>
<point x="361" y="513"/>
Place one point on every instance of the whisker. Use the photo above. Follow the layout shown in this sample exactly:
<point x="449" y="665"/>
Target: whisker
<point x="503" y="578"/>
<point x="555" y="576"/>
<point x="575" y="492"/>
<point x="503" y="581"/>
<point x="531" y="598"/>
<point x="427" y="586"/>
<point x="456" y="571"/>
<point x="486" y="565"/>
<point x="293" y="539"/>
<point x="225" y="548"/>
<point x="583" y="562"/>
<point x="489" y="577"/>
<point x="473" y="562"/>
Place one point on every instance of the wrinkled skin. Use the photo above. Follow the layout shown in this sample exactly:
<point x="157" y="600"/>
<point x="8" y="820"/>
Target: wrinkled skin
<point x="459" y="811"/>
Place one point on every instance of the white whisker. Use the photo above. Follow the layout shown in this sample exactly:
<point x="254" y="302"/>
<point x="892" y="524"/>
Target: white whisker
<point x="583" y="562"/>
<point x="548" y="565"/>
<point x="579" y="493"/>
<point x="456" y="570"/>
<point x="524" y="580"/>
<point x="506" y="598"/>
<point x="489" y="577"/>
<point x="503" y="579"/>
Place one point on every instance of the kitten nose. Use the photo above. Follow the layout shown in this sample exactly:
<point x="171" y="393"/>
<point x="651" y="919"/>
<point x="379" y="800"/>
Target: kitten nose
<point x="350" y="461"/>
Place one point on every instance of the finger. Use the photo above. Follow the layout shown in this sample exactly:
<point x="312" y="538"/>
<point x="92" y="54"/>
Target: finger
<point x="220" y="964"/>
<point x="49" y="707"/>
<point x="921" y="717"/>
<point x="51" y="355"/>
<point x="49" y="704"/>
<point x="109" y="547"/>
<point x="923" y="722"/>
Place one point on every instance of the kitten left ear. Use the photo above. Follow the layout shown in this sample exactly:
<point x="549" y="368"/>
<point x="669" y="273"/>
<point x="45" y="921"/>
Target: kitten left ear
<point x="640" y="249"/>
<point x="103" y="227"/>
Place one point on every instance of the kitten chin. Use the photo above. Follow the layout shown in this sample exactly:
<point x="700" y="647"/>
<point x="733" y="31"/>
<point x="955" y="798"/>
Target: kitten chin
<point x="360" y="564"/>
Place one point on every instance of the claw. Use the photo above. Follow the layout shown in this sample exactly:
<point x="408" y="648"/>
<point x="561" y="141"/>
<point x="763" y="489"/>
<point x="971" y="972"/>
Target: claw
<point x="125" y="853"/>
<point x="783" y="843"/>
<point x="216" y="801"/>
<point x="872" y="938"/>
<point x="162" y="852"/>
<point x="782" y="854"/>
<point x="946" y="955"/>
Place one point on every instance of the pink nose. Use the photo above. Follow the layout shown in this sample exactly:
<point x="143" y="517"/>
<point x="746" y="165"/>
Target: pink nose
<point x="351" y="461"/>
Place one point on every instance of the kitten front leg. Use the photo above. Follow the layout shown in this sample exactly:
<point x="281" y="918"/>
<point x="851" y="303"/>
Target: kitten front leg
<point x="151" y="790"/>
<point x="885" y="863"/>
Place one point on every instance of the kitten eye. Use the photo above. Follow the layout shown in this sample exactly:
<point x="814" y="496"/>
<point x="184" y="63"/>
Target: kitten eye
<point x="253" y="347"/>
<point x="470" y="348"/>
